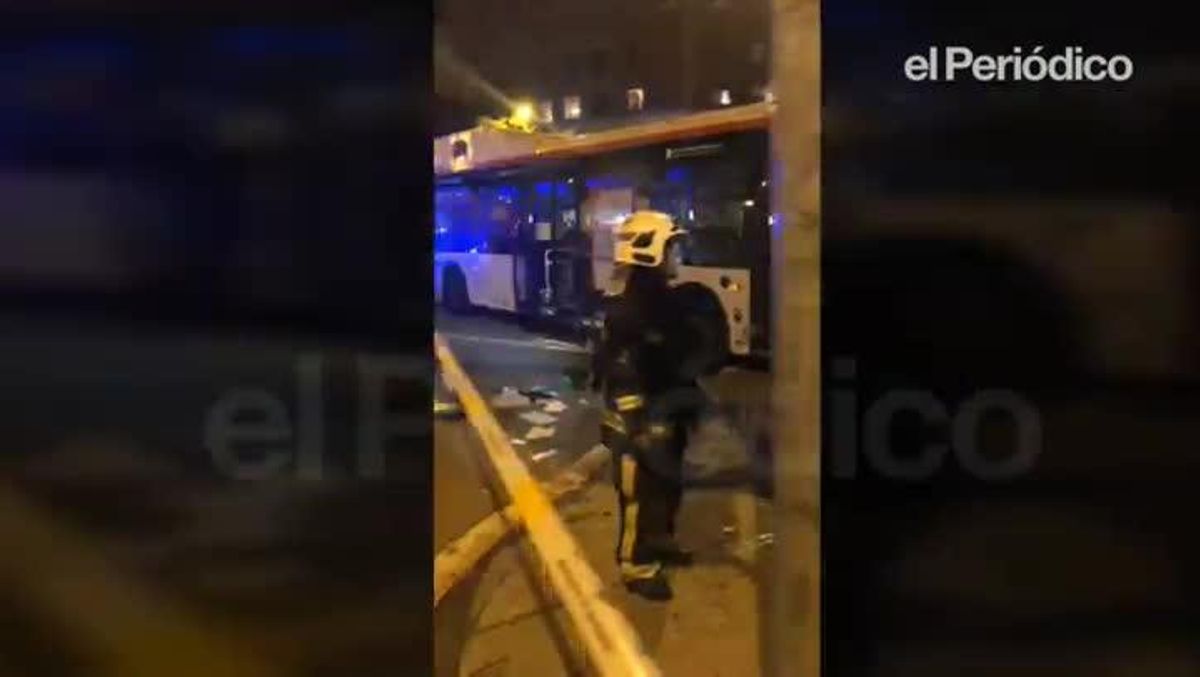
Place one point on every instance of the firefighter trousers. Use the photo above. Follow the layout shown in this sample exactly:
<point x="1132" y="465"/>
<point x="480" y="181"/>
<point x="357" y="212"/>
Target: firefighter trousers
<point x="647" y="475"/>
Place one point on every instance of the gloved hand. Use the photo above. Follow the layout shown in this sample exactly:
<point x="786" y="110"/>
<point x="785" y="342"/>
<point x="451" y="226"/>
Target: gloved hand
<point x="652" y="448"/>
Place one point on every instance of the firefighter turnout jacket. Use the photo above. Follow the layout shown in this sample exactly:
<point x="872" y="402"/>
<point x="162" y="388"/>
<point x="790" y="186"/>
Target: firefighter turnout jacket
<point x="649" y="402"/>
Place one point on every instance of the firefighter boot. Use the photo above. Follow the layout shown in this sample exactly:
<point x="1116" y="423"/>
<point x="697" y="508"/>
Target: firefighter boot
<point x="654" y="587"/>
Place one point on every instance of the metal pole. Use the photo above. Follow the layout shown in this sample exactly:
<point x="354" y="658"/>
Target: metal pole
<point x="795" y="627"/>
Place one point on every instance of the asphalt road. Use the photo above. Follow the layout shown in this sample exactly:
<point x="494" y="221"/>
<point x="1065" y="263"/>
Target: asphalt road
<point x="497" y="354"/>
<point x="728" y="448"/>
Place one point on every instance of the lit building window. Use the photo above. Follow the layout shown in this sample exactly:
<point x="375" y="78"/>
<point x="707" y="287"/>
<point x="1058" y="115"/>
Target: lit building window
<point x="723" y="97"/>
<point x="546" y="111"/>
<point x="572" y="108"/>
<point x="635" y="98"/>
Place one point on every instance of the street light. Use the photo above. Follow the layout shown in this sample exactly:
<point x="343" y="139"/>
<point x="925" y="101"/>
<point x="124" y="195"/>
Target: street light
<point x="523" y="113"/>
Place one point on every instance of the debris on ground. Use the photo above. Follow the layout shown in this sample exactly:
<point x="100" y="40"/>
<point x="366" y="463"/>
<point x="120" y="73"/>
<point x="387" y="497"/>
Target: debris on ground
<point x="544" y="454"/>
<point x="728" y="530"/>
<point x="538" y="418"/>
<point x="539" y="433"/>
<point x="539" y="393"/>
<point x="518" y="441"/>
<point x="554" y="407"/>
<point x="766" y="539"/>
<point x="509" y="398"/>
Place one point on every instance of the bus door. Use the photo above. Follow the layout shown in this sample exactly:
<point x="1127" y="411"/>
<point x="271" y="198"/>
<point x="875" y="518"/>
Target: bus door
<point x="534" y="236"/>
<point x="568" y="261"/>
<point x="604" y="209"/>
<point x="536" y="247"/>
<point x="550" y="248"/>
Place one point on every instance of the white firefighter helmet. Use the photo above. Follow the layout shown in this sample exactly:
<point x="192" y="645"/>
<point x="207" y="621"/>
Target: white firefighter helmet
<point x="641" y="239"/>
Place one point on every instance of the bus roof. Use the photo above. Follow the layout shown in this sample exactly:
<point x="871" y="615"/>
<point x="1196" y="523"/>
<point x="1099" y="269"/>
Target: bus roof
<point x="490" y="148"/>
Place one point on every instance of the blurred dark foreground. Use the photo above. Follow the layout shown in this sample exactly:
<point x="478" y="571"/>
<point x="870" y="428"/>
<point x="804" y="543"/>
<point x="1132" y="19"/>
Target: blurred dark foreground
<point x="1011" y="328"/>
<point x="200" y="248"/>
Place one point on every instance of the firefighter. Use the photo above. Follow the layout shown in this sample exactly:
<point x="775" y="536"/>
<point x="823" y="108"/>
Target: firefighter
<point x="641" y="372"/>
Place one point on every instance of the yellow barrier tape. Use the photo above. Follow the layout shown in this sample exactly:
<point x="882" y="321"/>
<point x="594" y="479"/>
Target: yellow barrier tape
<point x="457" y="559"/>
<point x="612" y="645"/>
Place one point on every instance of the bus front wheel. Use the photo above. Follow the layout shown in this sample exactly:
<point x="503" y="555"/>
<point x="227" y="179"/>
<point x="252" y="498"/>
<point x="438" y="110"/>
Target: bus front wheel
<point x="454" y="292"/>
<point x="706" y="320"/>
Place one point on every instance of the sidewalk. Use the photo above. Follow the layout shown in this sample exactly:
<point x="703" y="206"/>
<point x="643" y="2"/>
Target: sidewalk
<point x="497" y="604"/>
<point x="712" y="626"/>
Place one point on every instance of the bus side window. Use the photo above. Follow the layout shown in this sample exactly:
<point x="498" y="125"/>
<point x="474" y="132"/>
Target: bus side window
<point x="728" y="193"/>
<point x="713" y="198"/>
<point x="502" y="212"/>
<point x="455" y="219"/>
<point x="673" y="194"/>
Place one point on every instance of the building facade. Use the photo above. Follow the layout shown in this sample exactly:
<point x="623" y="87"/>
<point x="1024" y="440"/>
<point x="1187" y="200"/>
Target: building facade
<point x="589" y="64"/>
